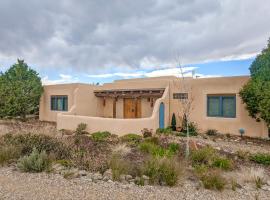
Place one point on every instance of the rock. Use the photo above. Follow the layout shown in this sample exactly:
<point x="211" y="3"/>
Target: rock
<point x="132" y="180"/>
<point x="266" y="188"/>
<point x="145" y="177"/>
<point x="122" y="177"/>
<point x="125" y="186"/>
<point x="217" y="148"/>
<point x="107" y="175"/>
<point x="58" y="168"/>
<point x="97" y="176"/>
<point x="128" y="177"/>
<point x="268" y="182"/>
<point x="83" y="173"/>
<point x="110" y="181"/>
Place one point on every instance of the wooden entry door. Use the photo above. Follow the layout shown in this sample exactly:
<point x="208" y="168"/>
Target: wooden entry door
<point x="132" y="108"/>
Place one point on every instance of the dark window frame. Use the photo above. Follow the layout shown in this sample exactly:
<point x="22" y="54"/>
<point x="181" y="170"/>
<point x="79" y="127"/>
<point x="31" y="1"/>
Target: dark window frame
<point x="181" y="96"/>
<point x="54" y="106"/>
<point x="221" y="99"/>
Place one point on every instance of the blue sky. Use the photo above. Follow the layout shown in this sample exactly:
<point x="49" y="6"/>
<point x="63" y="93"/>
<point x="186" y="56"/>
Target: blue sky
<point x="206" y="69"/>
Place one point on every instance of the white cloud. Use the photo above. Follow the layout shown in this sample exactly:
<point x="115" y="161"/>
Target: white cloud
<point x="65" y="76"/>
<point x="63" y="79"/>
<point x="96" y="35"/>
<point x="187" y="71"/>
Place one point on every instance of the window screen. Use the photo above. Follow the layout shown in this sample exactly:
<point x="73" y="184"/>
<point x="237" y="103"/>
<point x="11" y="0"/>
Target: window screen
<point x="221" y="106"/>
<point x="59" y="103"/>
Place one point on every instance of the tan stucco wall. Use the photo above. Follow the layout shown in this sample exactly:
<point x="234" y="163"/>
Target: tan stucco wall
<point x="224" y="85"/>
<point x="82" y="102"/>
<point x="45" y="113"/>
<point x="116" y="126"/>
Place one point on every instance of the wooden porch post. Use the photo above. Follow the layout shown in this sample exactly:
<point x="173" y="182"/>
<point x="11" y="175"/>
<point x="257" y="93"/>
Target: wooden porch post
<point x="114" y="107"/>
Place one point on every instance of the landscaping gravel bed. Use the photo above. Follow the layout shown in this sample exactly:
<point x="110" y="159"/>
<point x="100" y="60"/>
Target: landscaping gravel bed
<point x="17" y="185"/>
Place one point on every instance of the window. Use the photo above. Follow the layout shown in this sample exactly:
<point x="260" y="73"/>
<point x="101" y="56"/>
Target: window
<point x="59" y="103"/>
<point x="221" y="106"/>
<point x="180" y="96"/>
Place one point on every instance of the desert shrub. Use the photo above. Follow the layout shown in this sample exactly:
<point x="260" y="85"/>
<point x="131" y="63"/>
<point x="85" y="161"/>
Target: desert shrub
<point x="158" y="151"/>
<point x="81" y="129"/>
<point x="213" y="180"/>
<point x="173" y="148"/>
<point x="41" y="142"/>
<point x="165" y="131"/>
<point x="162" y="171"/>
<point x="65" y="163"/>
<point x="200" y="170"/>
<point x="35" y="162"/>
<point x="204" y="155"/>
<point x="9" y="153"/>
<point x="147" y="133"/>
<point x="139" y="181"/>
<point x="211" y="132"/>
<point x="121" y="150"/>
<point x="222" y="163"/>
<point x="148" y="147"/>
<point x="243" y="155"/>
<point x="259" y="182"/>
<point x="100" y="136"/>
<point x="119" y="166"/>
<point x="153" y="140"/>
<point x="261" y="158"/>
<point x="132" y="139"/>
<point x="88" y="154"/>
<point x="192" y="127"/>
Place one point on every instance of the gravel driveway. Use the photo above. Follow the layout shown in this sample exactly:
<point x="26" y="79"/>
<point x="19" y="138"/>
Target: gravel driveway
<point x="17" y="185"/>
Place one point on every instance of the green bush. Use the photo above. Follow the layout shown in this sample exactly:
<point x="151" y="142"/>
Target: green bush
<point x="81" y="129"/>
<point x="9" y="153"/>
<point x="261" y="158"/>
<point x="243" y="155"/>
<point x="201" y="169"/>
<point x="222" y="163"/>
<point x="148" y="147"/>
<point x="132" y="139"/>
<point x="213" y="180"/>
<point x="204" y="155"/>
<point x="153" y="140"/>
<point x="35" y="162"/>
<point x="100" y="136"/>
<point x="165" y="131"/>
<point x="162" y="171"/>
<point x="211" y="132"/>
<point x="41" y="142"/>
<point x="173" y="123"/>
<point x="173" y="148"/>
<point x="158" y="151"/>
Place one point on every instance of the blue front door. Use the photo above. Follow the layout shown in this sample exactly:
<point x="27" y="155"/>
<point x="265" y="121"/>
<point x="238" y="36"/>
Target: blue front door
<point x="161" y="115"/>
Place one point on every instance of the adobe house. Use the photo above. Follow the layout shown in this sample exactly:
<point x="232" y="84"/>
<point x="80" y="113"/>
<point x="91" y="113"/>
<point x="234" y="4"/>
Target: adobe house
<point x="128" y="106"/>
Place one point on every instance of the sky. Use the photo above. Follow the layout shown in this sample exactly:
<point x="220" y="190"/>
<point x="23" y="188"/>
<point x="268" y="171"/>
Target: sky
<point x="98" y="41"/>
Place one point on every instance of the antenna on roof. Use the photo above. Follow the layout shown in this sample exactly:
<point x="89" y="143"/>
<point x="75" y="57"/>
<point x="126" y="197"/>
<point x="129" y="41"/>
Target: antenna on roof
<point x="193" y="73"/>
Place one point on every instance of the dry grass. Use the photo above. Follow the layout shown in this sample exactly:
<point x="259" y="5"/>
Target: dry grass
<point x="252" y="174"/>
<point x="121" y="150"/>
<point x="31" y="126"/>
